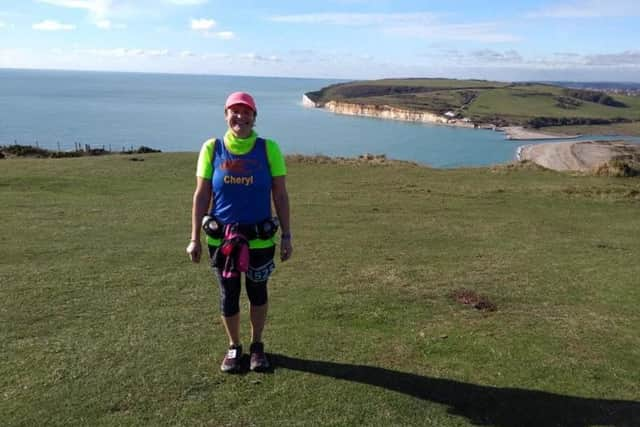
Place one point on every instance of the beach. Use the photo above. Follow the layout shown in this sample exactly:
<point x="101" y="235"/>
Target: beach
<point x="580" y="156"/>
<point x="519" y="133"/>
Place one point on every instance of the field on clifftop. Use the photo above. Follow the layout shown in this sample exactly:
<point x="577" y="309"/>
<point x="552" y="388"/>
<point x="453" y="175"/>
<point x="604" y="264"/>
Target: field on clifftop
<point x="503" y="296"/>
<point x="497" y="103"/>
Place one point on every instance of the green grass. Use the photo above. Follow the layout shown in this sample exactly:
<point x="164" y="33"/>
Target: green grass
<point x="521" y="103"/>
<point x="436" y="95"/>
<point x="486" y="102"/>
<point x="630" y="129"/>
<point x="105" y="322"/>
<point x="428" y="83"/>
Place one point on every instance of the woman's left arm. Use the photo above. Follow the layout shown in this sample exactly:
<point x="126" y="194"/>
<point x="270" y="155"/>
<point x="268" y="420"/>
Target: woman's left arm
<point x="281" y="203"/>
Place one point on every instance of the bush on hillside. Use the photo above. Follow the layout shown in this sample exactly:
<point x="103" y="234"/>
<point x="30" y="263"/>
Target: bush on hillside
<point x="620" y="167"/>
<point x="467" y="96"/>
<point x="518" y="165"/>
<point x="24" y="150"/>
<point x="17" y="150"/>
<point x="567" y="103"/>
<point x="65" y="154"/>
<point x="594" y="96"/>
<point x="142" y="150"/>
<point x="539" y="122"/>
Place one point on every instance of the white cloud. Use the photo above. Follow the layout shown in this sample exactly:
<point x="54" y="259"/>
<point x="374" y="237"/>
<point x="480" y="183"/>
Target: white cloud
<point x="224" y="35"/>
<point x="590" y="9"/>
<point x="482" y="32"/>
<point x="2" y="25"/>
<point x="187" y="54"/>
<point x="488" y="55"/>
<point x="124" y="52"/>
<point x="74" y="4"/>
<point x="112" y="53"/>
<point x="105" y="24"/>
<point x="202" y="24"/>
<point x="157" y="52"/>
<point x="413" y="25"/>
<point x="187" y="2"/>
<point x="355" y="19"/>
<point x="100" y="9"/>
<point x="511" y="59"/>
<point x="254" y="57"/>
<point x="49" y="25"/>
<point x="217" y="56"/>
<point x="629" y="60"/>
<point x="630" y="57"/>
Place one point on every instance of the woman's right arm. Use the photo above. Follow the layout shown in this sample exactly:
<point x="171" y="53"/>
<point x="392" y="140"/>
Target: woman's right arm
<point x="201" y="202"/>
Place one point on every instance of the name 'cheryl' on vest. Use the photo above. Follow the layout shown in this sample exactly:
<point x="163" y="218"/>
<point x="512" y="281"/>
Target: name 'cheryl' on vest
<point x="238" y="180"/>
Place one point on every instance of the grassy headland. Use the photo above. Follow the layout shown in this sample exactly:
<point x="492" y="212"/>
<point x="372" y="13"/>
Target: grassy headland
<point x="496" y="103"/>
<point x="105" y="322"/>
<point x="18" y="150"/>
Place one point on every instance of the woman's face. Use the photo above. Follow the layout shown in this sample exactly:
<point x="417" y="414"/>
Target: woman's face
<point x="240" y="119"/>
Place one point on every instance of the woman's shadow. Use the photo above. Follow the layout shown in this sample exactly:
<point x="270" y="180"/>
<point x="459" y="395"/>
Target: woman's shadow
<point x="482" y="405"/>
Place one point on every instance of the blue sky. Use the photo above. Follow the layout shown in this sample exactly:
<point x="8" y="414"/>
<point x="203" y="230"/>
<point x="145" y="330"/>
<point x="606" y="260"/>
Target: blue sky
<point x="510" y="40"/>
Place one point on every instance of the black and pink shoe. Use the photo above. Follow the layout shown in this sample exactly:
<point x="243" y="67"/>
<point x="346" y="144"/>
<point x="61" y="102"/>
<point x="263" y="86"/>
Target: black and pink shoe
<point x="231" y="361"/>
<point x="259" y="361"/>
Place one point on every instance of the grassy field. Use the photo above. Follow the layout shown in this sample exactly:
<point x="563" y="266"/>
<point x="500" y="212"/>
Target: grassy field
<point x="524" y="102"/>
<point x="432" y="83"/>
<point x="105" y="322"/>
<point x="630" y="129"/>
<point x="486" y="102"/>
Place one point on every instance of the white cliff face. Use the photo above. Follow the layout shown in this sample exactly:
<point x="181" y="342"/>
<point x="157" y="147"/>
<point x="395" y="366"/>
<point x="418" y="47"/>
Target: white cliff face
<point x="384" y="112"/>
<point x="306" y="102"/>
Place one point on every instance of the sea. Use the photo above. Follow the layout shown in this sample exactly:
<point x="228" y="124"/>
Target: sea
<point x="176" y="112"/>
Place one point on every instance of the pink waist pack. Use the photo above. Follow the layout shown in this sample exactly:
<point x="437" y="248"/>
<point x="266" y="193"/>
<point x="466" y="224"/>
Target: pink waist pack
<point x="235" y="252"/>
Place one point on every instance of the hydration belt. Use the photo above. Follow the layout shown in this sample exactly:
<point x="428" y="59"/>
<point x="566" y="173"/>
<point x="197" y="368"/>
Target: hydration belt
<point x="262" y="230"/>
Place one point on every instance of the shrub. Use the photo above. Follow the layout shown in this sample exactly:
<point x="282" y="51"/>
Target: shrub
<point x="24" y="150"/>
<point x="145" y="149"/>
<point x="65" y="154"/>
<point x="141" y="150"/>
<point x="594" y="96"/>
<point x="618" y="168"/>
<point x="567" y="103"/>
<point x="17" y="150"/>
<point x="538" y="122"/>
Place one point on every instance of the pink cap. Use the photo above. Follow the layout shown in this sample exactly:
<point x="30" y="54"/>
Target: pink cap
<point x="240" y="98"/>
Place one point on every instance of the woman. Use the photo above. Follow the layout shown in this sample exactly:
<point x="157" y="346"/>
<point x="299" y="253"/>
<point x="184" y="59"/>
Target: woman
<point x="236" y="179"/>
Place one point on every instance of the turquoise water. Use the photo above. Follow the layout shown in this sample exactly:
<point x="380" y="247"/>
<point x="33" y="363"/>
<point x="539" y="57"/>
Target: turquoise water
<point x="178" y="112"/>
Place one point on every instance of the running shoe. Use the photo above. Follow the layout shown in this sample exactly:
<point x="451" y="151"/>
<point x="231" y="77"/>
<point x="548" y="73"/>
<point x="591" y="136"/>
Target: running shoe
<point x="259" y="361"/>
<point x="231" y="361"/>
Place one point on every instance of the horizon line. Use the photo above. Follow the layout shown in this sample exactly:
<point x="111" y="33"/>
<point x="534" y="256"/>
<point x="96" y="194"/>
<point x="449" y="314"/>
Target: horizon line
<point x="310" y="78"/>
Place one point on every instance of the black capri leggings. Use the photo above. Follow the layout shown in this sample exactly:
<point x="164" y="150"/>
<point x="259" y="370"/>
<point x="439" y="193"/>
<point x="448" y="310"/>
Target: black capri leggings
<point x="261" y="266"/>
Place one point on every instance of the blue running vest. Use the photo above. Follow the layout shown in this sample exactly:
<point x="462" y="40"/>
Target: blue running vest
<point x="241" y="184"/>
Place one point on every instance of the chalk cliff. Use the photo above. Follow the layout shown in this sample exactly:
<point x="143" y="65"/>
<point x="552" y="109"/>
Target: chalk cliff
<point x="384" y="112"/>
<point x="306" y="102"/>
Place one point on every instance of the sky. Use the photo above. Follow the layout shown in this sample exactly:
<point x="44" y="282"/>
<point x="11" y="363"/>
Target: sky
<point x="506" y="40"/>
